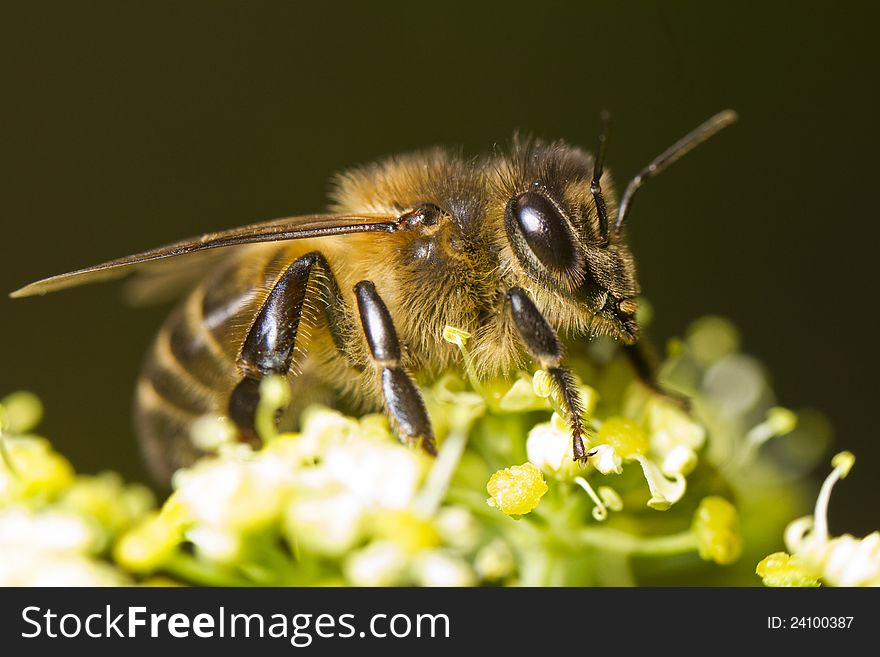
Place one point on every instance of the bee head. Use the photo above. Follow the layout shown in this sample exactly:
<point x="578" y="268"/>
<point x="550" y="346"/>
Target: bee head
<point x="560" y="237"/>
<point x="565" y="229"/>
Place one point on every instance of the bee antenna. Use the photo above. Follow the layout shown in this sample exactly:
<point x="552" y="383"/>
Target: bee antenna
<point x="683" y="146"/>
<point x="595" y="188"/>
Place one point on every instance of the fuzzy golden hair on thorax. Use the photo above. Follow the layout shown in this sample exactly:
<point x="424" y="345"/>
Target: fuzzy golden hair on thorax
<point x="476" y="194"/>
<point x="439" y="176"/>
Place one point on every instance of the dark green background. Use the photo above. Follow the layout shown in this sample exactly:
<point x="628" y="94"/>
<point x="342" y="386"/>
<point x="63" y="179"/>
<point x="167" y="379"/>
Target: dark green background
<point x="129" y="124"/>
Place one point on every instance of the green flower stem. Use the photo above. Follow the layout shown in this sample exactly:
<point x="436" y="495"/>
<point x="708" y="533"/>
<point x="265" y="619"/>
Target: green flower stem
<point x="615" y="540"/>
<point x="434" y="491"/>
<point x="555" y="530"/>
<point x="202" y="573"/>
<point x="475" y="502"/>
<point x="547" y="567"/>
<point x="459" y="338"/>
<point x="608" y="539"/>
<point x="268" y="565"/>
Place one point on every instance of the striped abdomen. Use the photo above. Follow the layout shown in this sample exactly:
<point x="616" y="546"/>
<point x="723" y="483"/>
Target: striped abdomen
<point x="191" y="368"/>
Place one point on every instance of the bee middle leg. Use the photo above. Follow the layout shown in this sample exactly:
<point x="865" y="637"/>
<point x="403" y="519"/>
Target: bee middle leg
<point x="544" y="346"/>
<point x="402" y="398"/>
<point x="269" y="345"/>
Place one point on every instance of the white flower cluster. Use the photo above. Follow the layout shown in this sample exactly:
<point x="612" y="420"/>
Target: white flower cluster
<point x="55" y="526"/>
<point x="340" y="489"/>
<point x="664" y="442"/>
<point x="51" y="548"/>
<point x="815" y="556"/>
<point x="341" y="501"/>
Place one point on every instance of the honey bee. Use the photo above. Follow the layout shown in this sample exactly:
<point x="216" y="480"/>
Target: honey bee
<point x="517" y="249"/>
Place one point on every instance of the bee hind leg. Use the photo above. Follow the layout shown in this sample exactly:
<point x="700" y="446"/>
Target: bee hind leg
<point x="269" y="346"/>
<point x="544" y="346"/>
<point x="402" y="398"/>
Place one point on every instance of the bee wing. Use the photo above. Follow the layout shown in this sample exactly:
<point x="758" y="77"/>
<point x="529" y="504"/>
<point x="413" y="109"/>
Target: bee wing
<point x="160" y="281"/>
<point x="290" y="228"/>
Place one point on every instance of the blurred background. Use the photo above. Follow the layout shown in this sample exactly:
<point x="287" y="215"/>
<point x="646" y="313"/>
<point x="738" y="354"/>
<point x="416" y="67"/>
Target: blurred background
<point x="128" y="125"/>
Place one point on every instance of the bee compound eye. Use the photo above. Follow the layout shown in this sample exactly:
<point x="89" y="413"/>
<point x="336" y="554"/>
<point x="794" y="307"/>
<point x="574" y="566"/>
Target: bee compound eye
<point x="531" y="218"/>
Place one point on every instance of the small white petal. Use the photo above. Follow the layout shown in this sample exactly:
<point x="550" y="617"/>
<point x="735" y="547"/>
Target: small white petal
<point x="458" y="528"/>
<point x="611" y="498"/>
<point x="210" y="432"/>
<point x="386" y="475"/>
<point x="237" y="495"/>
<point x="542" y="383"/>
<point x="26" y="567"/>
<point x="550" y="450"/>
<point x="680" y="460"/>
<point x="382" y="563"/>
<point x="600" y="512"/>
<point x="606" y="460"/>
<point x="325" y="524"/>
<point x="326" y="426"/>
<point x="48" y="531"/>
<point x="439" y="568"/>
<point x="796" y="533"/>
<point x="664" y="493"/>
<point x="853" y="562"/>
<point x="215" y="544"/>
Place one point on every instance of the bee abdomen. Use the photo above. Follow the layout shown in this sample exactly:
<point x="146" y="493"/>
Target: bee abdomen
<point x="193" y="365"/>
<point x="189" y="372"/>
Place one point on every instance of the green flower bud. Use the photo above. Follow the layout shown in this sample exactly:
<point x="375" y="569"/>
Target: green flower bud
<point x="147" y="546"/>
<point x="274" y="397"/>
<point x="626" y="436"/>
<point x="20" y="412"/>
<point x="522" y="397"/>
<point x="495" y="561"/>
<point x="712" y="338"/>
<point x="517" y="490"/>
<point x="781" y="420"/>
<point x="781" y="569"/>
<point x="108" y="501"/>
<point x="843" y="463"/>
<point x="716" y="524"/>
<point x="40" y="473"/>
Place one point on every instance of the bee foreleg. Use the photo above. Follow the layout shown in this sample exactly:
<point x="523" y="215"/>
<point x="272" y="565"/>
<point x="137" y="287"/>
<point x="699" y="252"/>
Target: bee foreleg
<point x="271" y="340"/>
<point x="402" y="398"/>
<point x="544" y="346"/>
